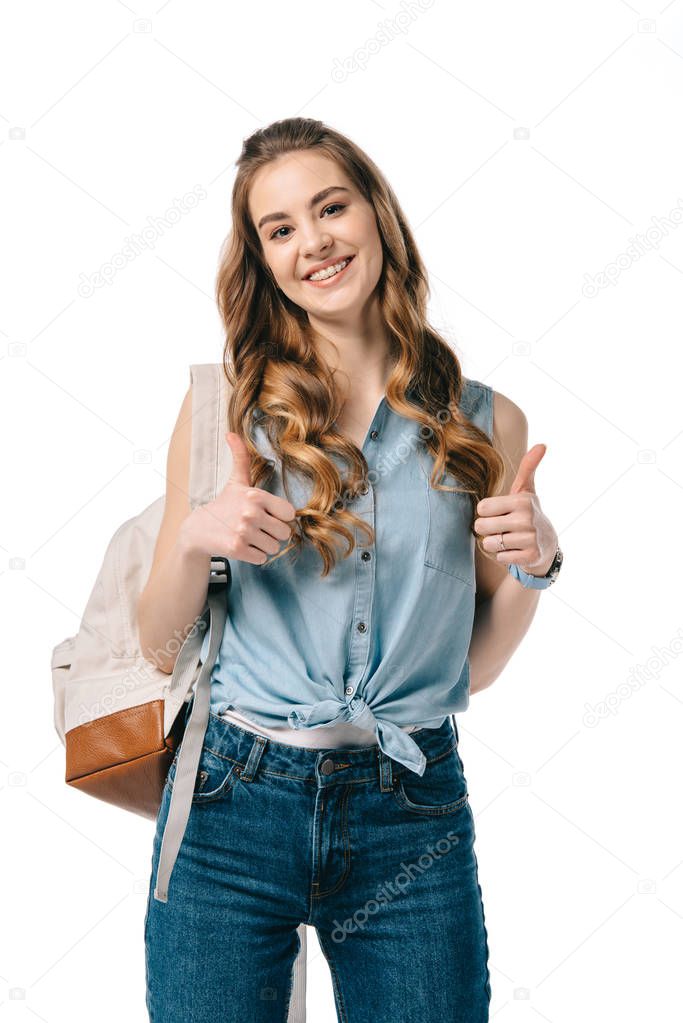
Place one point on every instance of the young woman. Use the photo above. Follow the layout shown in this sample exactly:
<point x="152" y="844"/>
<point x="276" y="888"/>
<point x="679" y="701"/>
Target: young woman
<point x="386" y="548"/>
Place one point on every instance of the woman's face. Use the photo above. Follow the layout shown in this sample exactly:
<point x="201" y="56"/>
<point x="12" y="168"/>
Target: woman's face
<point x="300" y="229"/>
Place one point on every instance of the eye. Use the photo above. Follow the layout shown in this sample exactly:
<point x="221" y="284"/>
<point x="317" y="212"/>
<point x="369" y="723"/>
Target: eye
<point x="340" y="205"/>
<point x="276" y="233"/>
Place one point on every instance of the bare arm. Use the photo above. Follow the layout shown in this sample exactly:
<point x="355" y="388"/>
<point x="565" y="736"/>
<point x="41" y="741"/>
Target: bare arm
<point x="504" y="609"/>
<point x="175" y="593"/>
<point x="243" y="523"/>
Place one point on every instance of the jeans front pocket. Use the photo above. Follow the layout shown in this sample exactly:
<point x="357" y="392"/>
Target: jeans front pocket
<point x="441" y="790"/>
<point x="216" y="776"/>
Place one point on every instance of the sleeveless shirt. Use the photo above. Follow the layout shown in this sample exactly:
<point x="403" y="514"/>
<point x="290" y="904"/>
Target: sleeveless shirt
<point x="381" y="643"/>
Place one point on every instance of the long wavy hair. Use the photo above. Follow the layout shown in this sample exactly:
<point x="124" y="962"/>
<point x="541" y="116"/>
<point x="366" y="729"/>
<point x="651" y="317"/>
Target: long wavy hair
<point x="271" y="361"/>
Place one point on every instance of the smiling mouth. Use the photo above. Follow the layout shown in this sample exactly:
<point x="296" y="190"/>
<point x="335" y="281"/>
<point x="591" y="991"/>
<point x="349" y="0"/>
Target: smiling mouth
<point x="330" y="271"/>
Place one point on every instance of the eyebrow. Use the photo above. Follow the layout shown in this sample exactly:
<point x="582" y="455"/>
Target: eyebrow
<point x="318" y="197"/>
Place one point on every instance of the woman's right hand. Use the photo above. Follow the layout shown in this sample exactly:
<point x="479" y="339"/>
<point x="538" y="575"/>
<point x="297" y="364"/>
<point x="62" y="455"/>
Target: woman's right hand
<point x="243" y="522"/>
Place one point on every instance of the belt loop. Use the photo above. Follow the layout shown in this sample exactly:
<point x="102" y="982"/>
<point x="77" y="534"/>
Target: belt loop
<point x="455" y="728"/>
<point x="385" y="772"/>
<point x="254" y="758"/>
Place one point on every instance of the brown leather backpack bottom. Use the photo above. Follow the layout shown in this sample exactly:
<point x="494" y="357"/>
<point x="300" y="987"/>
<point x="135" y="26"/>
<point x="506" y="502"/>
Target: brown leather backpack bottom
<point x="123" y="757"/>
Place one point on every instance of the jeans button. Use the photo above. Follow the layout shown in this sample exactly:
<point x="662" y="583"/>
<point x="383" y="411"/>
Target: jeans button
<point x="327" y="767"/>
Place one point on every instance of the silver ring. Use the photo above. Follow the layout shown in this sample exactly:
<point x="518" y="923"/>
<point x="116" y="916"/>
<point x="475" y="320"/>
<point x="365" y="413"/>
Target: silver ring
<point x="501" y="546"/>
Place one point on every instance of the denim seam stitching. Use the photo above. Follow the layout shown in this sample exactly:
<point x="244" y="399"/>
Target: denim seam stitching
<point x="347" y="851"/>
<point x="424" y="809"/>
<point x="339" y="998"/>
<point x="317" y="851"/>
<point x="216" y="794"/>
<point x="312" y="781"/>
<point x="433" y="760"/>
<point x="430" y="533"/>
<point x="290" y="987"/>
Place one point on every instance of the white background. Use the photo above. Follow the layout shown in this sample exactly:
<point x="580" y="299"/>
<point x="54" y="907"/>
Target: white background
<point x="528" y="144"/>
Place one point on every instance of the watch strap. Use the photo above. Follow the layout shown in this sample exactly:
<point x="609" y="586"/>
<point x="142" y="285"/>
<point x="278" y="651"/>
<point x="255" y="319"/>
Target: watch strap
<point x="538" y="582"/>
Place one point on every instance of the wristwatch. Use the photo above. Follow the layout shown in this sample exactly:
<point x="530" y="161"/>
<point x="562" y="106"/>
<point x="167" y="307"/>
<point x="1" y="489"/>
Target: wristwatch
<point x="538" y="582"/>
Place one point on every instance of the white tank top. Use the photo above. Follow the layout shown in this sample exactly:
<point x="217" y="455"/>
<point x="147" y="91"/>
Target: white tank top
<point x="340" y="736"/>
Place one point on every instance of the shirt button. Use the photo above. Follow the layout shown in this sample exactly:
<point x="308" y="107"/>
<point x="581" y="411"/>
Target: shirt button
<point x="364" y="489"/>
<point x="362" y="627"/>
<point x="374" y="435"/>
<point x="327" y="767"/>
<point x="349" y="690"/>
<point x="365" y="556"/>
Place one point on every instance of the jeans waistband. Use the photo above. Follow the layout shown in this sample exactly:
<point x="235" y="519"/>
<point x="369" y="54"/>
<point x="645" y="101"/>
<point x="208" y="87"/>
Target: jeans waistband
<point x="254" y="753"/>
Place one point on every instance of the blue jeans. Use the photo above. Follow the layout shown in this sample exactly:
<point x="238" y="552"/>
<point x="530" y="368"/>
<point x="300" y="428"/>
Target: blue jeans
<point x="379" y="860"/>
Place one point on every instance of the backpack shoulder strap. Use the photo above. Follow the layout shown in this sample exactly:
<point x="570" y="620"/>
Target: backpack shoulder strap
<point x="210" y="456"/>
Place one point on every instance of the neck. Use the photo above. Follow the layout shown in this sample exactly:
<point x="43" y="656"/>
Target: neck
<point x="356" y="352"/>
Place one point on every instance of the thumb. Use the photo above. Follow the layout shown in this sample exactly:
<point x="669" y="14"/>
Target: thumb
<point x="524" y="480"/>
<point x="241" y="460"/>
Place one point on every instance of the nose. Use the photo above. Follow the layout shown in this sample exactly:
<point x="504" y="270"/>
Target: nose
<point x="314" y="241"/>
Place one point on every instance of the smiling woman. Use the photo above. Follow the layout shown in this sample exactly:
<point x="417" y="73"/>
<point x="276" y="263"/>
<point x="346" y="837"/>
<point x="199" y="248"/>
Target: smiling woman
<point x="341" y="300"/>
<point x="294" y="241"/>
<point x="330" y="756"/>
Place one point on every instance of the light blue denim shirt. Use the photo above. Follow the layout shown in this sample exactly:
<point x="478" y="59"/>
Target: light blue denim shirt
<point x="383" y="640"/>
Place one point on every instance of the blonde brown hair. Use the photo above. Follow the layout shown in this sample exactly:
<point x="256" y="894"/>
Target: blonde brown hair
<point x="272" y="363"/>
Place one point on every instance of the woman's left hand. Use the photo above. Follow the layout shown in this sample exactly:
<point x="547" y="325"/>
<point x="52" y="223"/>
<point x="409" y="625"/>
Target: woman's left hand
<point x="528" y="535"/>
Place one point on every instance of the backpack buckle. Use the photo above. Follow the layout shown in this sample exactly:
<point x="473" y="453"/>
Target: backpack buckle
<point x="219" y="574"/>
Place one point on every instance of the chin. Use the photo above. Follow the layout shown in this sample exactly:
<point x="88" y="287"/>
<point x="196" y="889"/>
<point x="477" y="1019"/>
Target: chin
<point x="350" y="307"/>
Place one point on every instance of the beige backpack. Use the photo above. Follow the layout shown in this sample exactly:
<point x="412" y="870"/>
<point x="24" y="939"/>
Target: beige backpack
<point x="122" y="719"/>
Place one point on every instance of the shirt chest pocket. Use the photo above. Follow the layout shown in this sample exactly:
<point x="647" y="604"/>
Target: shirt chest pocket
<point x="450" y="542"/>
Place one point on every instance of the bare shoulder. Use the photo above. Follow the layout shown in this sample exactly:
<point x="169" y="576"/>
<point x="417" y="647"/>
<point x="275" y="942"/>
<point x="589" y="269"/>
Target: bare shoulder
<point x="178" y="459"/>
<point x="177" y="503"/>
<point x="509" y="421"/>
<point x="510" y="435"/>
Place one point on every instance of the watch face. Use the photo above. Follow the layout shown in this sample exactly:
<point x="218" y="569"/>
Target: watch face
<point x="555" y="567"/>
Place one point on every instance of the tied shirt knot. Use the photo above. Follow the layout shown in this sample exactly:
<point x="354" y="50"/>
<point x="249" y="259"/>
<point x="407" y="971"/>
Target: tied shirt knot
<point x="393" y="740"/>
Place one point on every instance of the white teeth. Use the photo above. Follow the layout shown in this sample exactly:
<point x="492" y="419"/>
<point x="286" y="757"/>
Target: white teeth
<point x="329" y="271"/>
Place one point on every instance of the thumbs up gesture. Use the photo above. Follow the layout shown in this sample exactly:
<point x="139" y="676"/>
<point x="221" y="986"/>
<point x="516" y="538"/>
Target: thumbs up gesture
<point x="243" y="522"/>
<point x="514" y="526"/>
